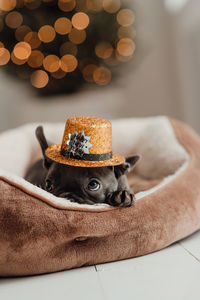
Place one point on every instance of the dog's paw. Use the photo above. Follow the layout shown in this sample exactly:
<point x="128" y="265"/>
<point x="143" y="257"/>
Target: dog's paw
<point x="121" y="198"/>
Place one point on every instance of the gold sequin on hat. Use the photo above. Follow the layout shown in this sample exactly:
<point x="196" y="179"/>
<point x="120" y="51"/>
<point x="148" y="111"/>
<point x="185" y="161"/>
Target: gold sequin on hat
<point x="87" y="142"/>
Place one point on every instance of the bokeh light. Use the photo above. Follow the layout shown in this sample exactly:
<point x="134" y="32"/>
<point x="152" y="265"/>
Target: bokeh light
<point x="36" y="59"/>
<point x="126" y="47"/>
<point x="80" y="20"/>
<point x="104" y="50"/>
<point x="33" y="39"/>
<point x="68" y="48"/>
<point x="102" y="75"/>
<point x="22" y="50"/>
<point x="39" y="79"/>
<point x="68" y="63"/>
<point x="111" y="6"/>
<point x="17" y="61"/>
<point x="21" y="32"/>
<point x="66" y="5"/>
<point x="51" y="63"/>
<point x="77" y="36"/>
<point x="122" y="58"/>
<point x="94" y="6"/>
<point x="58" y="74"/>
<point x="63" y="26"/>
<point x="128" y="32"/>
<point x="14" y="19"/>
<point x="7" y="5"/>
<point x="112" y="61"/>
<point x="4" y="56"/>
<point x="125" y="17"/>
<point x="71" y="41"/>
<point x="88" y="72"/>
<point x="46" y="34"/>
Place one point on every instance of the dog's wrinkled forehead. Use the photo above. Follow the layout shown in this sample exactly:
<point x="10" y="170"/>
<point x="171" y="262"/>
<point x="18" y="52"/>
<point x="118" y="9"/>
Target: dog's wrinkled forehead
<point x="75" y="174"/>
<point x="59" y="170"/>
<point x="101" y="171"/>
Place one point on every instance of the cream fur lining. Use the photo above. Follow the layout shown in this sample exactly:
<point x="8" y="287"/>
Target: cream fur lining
<point x="153" y="138"/>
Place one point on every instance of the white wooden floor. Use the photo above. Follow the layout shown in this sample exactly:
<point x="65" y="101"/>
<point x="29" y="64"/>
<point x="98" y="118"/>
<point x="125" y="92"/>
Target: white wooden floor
<point x="170" y="274"/>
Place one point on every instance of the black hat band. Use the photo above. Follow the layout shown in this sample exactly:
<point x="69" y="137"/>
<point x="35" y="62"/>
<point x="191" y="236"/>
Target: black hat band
<point x="87" y="157"/>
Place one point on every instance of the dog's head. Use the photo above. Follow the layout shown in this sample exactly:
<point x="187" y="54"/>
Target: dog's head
<point x="80" y="184"/>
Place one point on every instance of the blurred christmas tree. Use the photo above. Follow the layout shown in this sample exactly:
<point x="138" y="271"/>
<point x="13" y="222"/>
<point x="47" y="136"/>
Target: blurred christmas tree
<point x="59" y="45"/>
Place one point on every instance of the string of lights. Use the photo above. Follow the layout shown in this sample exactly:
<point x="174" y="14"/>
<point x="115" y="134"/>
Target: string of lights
<point x="48" y="41"/>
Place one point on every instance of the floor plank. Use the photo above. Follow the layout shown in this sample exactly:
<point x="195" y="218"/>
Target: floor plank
<point x="192" y="245"/>
<point x="74" y="284"/>
<point x="171" y="273"/>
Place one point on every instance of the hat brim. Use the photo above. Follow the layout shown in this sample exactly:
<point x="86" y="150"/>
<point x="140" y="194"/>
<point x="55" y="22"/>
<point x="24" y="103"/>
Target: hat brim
<point x="54" y="153"/>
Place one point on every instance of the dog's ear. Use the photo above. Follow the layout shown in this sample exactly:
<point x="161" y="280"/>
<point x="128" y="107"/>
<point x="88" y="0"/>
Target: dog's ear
<point x="127" y="166"/>
<point x="43" y="144"/>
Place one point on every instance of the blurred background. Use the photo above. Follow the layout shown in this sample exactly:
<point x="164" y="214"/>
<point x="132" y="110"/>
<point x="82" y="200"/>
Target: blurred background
<point x="160" y="76"/>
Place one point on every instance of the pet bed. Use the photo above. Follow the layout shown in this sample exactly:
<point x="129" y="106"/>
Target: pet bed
<point x="40" y="233"/>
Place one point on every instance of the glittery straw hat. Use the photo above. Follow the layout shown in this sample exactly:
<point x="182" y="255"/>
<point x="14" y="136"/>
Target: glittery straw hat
<point x="87" y="142"/>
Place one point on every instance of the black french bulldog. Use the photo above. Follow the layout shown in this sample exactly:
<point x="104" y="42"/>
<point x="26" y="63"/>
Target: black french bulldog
<point x="79" y="184"/>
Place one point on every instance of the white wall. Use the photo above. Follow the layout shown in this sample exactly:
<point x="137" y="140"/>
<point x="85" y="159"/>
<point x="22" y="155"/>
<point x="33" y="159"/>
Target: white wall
<point x="186" y="25"/>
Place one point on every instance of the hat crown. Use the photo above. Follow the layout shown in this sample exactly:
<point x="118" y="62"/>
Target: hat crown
<point x="92" y="133"/>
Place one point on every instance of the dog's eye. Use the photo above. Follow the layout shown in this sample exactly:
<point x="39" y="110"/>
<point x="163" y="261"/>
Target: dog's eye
<point x="49" y="186"/>
<point x="93" y="185"/>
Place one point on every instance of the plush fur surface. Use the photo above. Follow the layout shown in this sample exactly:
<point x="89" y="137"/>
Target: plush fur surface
<point x="36" y="237"/>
